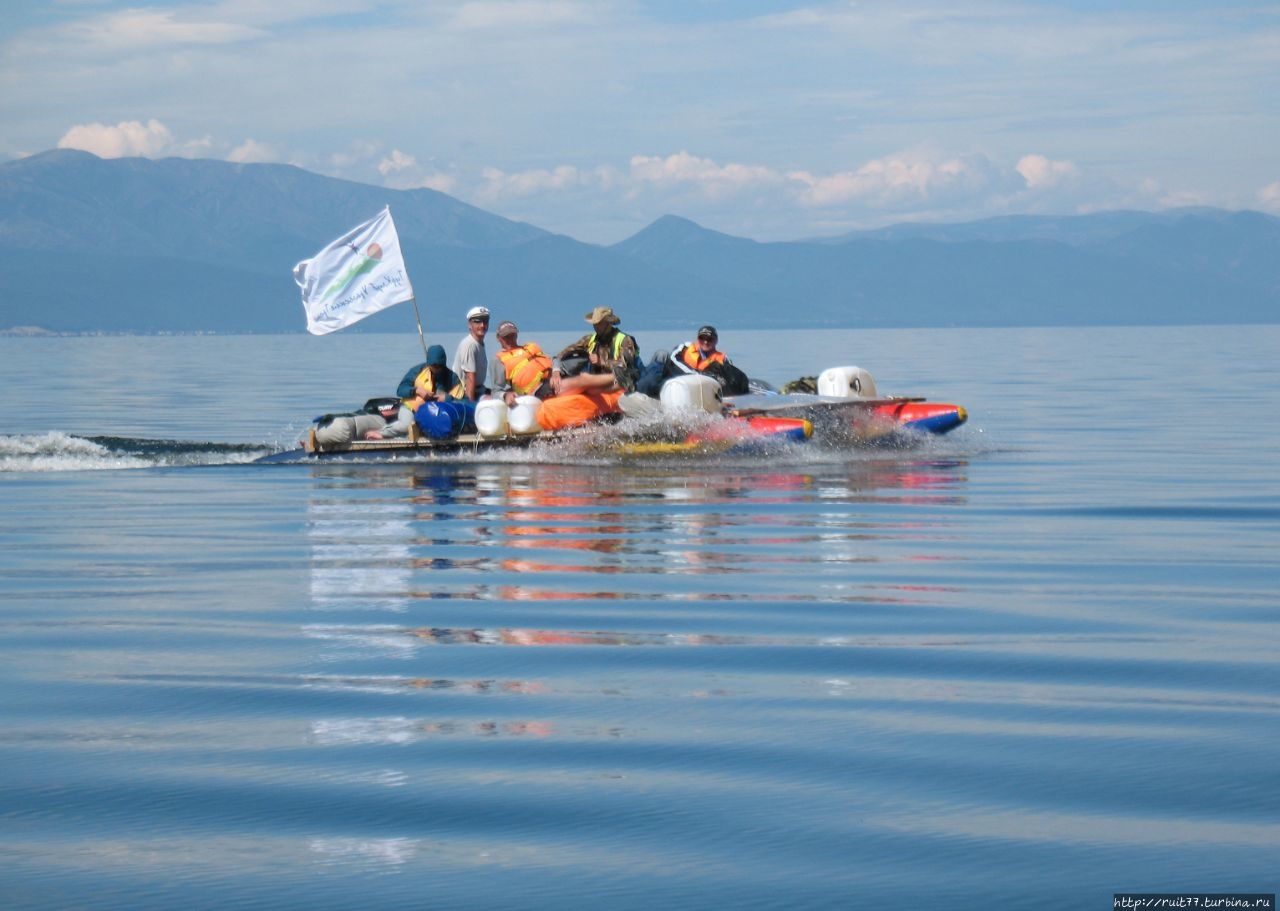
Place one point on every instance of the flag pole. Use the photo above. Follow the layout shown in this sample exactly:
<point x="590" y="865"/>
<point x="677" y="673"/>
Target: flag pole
<point x="414" y="300"/>
<point x="418" y="317"/>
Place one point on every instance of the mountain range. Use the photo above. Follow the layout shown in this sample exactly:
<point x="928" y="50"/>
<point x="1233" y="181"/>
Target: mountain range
<point x="187" y="245"/>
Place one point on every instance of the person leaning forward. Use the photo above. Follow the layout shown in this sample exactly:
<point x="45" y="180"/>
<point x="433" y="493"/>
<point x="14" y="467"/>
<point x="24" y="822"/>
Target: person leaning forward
<point x="613" y="366"/>
<point x="432" y="380"/>
<point x="519" y="369"/>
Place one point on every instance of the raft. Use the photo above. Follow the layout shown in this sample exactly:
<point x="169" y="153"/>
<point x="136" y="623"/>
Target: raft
<point x="846" y="409"/>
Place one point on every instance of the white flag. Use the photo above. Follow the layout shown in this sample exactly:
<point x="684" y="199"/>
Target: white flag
<point x="357" y="275"/>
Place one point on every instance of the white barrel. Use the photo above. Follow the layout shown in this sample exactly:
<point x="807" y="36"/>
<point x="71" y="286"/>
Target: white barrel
<point x="523" y="417"/>
<point x="691" y="392"/>
<point x="846" y="383"/>
<point x="491" y="418"/>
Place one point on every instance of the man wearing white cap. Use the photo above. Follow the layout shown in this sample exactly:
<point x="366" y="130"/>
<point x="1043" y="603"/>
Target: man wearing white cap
<point x="470" y="362"/>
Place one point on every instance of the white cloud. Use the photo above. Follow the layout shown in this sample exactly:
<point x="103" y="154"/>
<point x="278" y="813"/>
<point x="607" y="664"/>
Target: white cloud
<point x="498" y="183"/>
<point x="442" y="183"/>
<point x="522" y="14"/>
<point x="134" y="29"/>
<point x="253" y="151"/>
<point x="128" y="138"/>
<point x="905" y="180"/>
<point x="737" y="197"/>
<point x="1041" y="173"/>
<point x="1147" y="193"/>
<point x="713" y="178"/>
<point x="1269" y="197"/>
<point x="288" y="12"/>
<point x="767" y="203"/>
<point x="650" y="186"/>
<point x="359" y="153"/>
<point x="395" y="163"/>
<point x="804" y="113"/>
<point x="1179" y="198"/>
<point x="742" y="197"/>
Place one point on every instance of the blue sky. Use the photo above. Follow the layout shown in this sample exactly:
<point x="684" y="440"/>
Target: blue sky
<point x="771" y="120"/>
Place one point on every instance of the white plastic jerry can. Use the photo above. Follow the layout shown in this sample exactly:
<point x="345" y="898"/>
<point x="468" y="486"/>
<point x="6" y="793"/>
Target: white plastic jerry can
<point x="523" y="416"/>
<point x="491" y="418"/>
<point x="846" y="383"/>
<point x="691" y="392"/>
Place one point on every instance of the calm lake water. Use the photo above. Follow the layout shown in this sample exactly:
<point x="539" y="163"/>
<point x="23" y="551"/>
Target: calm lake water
<point x="1030" y="664"/>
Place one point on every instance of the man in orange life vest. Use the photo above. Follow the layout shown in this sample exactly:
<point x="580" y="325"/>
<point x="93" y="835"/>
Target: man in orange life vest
<point x="698" y="356"/>
<point x="701" y="353"/>
<point x="519" y="369"/>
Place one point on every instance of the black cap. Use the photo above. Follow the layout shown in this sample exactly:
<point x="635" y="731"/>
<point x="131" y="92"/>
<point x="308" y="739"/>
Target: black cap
<point x="708" y="332"/>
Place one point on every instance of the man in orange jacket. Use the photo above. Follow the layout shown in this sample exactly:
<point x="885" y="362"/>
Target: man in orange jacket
<point x="519" y="369"/>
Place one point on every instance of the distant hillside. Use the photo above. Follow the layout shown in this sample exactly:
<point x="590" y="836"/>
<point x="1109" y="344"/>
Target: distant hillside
<point x="1184" y="267"/>
<point x="135" y="245"/>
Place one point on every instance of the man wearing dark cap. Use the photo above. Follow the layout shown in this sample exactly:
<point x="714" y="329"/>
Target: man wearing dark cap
<point x="698" y="356"/>
<point x="700" y="353"/>
<point x="519" y="369"/>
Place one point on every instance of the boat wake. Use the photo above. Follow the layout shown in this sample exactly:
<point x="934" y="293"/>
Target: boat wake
<point x="58" y="451"/>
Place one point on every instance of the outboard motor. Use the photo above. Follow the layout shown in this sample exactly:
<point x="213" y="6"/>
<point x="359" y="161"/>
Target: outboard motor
<point x="846" y="383"/>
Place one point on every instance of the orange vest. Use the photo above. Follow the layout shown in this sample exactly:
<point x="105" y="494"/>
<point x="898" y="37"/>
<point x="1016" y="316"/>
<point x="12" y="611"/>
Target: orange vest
<point x="690" y="356"/>
<point x="526" y="367"/>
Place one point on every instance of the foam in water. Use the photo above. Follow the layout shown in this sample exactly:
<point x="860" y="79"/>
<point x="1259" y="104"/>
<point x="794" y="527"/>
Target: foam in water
<point x="59" y="451"/>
